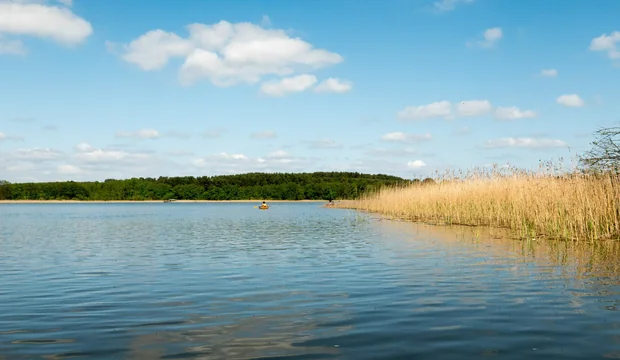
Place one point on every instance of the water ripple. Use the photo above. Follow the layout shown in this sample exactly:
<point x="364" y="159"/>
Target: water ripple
<point x="224" y="281"/>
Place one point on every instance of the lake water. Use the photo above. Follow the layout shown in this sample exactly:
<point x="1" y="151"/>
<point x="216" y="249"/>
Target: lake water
<point x="298" y="281"/>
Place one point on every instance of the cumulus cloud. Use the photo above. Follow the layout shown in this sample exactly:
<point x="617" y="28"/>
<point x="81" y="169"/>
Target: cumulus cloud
<point x="58" y="24"/>
<point x="513" y="113"/>
<point x="473" y="107"/>
<point x="85" y="162"/>
<point x="549" y="72"/>
<point x="38" y="154"/>
<point x="524" y="142"/>
<point x="607" y="43"/>
<point x="231" y="163"/>
<point x="436" y="109"/>
<point x="264" y="135"/>
<point x="449" y="5"/>
<point x="333" y="85"/>
<point x="288" y="85"/>
<point x="141" y="134"/>
<point x="572" y="100"/>
<point x="227" y="53"/>
<point x="491" y="37"/>
<point x="405" y="138"/>
<point x="416" y="164"/>
<point x="89" y="154"/>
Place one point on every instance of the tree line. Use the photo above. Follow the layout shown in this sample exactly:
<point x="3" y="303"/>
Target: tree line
<point x="250" y="186"/>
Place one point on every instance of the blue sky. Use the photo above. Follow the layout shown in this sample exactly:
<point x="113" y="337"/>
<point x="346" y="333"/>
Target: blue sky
<point x="91" y="90"/>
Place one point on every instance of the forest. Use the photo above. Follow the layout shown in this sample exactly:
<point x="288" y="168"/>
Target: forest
<point x="250" y="186"/>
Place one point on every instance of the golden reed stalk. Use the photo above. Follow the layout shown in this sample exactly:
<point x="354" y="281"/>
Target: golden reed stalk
<point x="543" y="203"/>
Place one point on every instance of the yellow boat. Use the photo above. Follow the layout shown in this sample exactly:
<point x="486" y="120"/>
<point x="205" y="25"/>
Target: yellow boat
<point x="263" y="207"/>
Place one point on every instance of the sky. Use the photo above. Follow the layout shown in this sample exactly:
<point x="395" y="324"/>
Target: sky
<point x="98" y="89"/>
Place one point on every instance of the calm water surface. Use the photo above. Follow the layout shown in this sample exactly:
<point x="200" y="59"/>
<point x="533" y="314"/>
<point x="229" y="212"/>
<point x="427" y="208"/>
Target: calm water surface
<point x="227" y="281"/>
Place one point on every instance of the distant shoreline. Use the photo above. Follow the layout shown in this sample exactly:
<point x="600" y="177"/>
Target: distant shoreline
<point x="148" y="201"/>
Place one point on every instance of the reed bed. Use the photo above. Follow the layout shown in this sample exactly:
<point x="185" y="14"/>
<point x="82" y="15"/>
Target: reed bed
<point x="548" y="202"/>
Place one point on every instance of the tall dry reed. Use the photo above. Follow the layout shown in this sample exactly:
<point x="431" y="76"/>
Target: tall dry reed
<point x="543" y="203"/>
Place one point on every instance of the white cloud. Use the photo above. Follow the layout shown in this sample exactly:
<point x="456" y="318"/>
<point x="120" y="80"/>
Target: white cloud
<point x="449" y="5"/>
<point x="87" y="162"/>
<point x="142" y="134"/>
<point x="608" y="43"/>
<point x="88" y="154"/>
<point x="227" y="54"/>
<point x="524" y="142"/>
<point x="29" y="19"/>
<point x="416" y="164"/>
<point x="288" y="85"/>
<point x="152" y="50"/>
<point x="572" y="100"/>
<point x="227" y="157"/>
<point x="264" y="135"/>
<point x="436" y="109"/>
<point x="84" y="147"/>
<point x="473" y="107"/>
<point x="278" y="154"/>
<point x="549" y="72"/>
<point x="279" y="160"/>
<point x="405" y="138"/>
<point x="513" y="113"/>
<point x="38" y="154"/>
<point x="333" y="85"/>
<point x="491" y="37"/>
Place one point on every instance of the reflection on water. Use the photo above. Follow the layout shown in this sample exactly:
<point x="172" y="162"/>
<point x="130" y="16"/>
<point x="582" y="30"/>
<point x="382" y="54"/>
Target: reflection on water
<point x="224" y="281"/>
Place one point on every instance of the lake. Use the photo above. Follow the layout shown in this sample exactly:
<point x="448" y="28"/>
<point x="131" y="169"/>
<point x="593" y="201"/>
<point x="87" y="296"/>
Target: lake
<point x="297" y="281"/>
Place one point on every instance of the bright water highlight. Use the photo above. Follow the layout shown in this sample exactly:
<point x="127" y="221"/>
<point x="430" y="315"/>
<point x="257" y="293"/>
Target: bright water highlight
<point x="228" y="281"/>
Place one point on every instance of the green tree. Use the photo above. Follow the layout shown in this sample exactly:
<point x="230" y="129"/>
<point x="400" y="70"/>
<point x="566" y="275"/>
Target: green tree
<point x="267" y="186"/>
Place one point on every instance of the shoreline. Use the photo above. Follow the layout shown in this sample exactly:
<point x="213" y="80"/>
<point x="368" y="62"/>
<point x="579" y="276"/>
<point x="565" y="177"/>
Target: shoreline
<point x="149" y="201"/>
